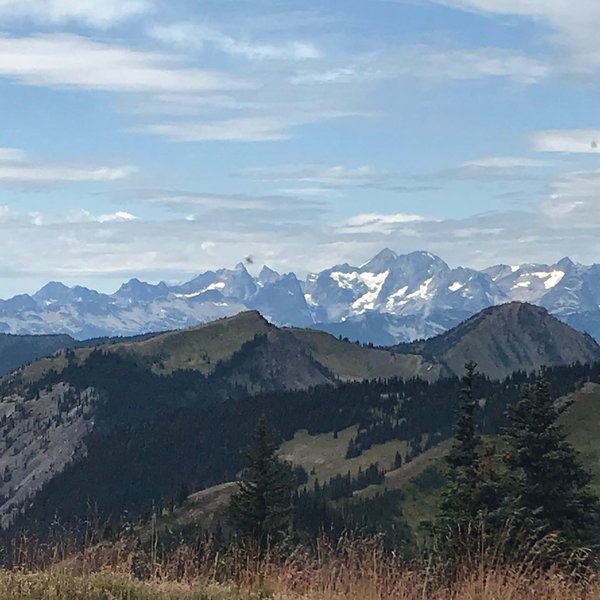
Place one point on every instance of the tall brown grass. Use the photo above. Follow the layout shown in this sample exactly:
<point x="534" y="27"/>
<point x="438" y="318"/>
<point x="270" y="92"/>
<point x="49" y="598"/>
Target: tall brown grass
<point x="349" y="569"/>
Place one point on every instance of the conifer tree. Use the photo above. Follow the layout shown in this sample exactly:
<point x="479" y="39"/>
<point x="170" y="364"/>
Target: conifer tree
<point x="460" y="501"/>
<point x="470" y="498"/>
<point x="550" y="492"/>
<point x="262" y="506"/>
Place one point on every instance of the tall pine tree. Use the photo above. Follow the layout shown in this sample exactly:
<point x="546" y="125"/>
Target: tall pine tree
<point x="470" y="498"/>
<point x="549" y="489"/>
<point x="261" y="509"/>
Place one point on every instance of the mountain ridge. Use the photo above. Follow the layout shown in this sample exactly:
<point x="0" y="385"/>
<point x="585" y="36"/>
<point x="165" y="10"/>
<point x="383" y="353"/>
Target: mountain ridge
<point x="504" y="338"/>
<point x="84" y="410"/>
<point x="389" y="299"/>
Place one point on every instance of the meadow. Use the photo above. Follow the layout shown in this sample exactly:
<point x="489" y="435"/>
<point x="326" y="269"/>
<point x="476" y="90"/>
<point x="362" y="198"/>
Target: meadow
<point x="347" y="570"/>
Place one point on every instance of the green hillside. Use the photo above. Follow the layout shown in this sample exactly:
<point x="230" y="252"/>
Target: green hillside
<point x="351" y="361"/>
<point x="582" y="422"/>
<point x="200" y="348"/>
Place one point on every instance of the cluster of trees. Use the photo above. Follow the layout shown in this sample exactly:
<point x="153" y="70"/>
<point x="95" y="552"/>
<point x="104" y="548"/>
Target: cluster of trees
<point x="268" y="506"/>
<point x="526" y="498"/>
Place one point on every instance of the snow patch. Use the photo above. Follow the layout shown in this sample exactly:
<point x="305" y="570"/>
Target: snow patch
<point x="373" y="282"/>
<point x="310" y="300"/>
<point x="552" y="278"/>
<point x="393" y="298"/>
<point x="422" y="291"/>
<point x="455" y="286"/>
<point x="219" y="285"/>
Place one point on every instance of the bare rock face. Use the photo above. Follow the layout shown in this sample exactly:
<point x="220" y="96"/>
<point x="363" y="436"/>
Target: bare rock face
<point x="40" y="436"/>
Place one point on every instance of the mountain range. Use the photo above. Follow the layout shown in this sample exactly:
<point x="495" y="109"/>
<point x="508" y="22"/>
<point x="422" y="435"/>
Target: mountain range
<point x="121" y="423"/>
<point x="388" y="300"/>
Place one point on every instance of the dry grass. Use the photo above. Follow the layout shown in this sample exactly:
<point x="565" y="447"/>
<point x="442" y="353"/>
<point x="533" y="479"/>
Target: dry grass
<point x="349" y="570"/>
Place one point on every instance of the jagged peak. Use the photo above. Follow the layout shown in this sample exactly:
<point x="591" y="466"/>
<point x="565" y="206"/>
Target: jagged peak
<point x="241" y="267"/>
<point x="381" y="261"/>
<point x="268" y="275"/>
<point x="565" y="263"/>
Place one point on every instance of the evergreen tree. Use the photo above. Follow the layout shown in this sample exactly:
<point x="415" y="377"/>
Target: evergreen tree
<point x="397" y="460"/>
<point x="550" y="495"/>
<point x="470" y="495"/>
<point x="262" y="506"/>
<point x="460" y="501"/>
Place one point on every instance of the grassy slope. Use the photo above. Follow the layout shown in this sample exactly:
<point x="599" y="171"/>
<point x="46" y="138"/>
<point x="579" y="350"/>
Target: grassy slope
<point x="420" y="479"/>
<point x="199" y="348"/>
<point x="582" y="422"/>
<point x="202" y="347"/>
<point x="417" y="478"/>
<point x="352" y="361"/>
<point x="327" y="456"/>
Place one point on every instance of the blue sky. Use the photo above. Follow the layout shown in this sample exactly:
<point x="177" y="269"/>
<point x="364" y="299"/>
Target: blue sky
<point x="159" y="139"/>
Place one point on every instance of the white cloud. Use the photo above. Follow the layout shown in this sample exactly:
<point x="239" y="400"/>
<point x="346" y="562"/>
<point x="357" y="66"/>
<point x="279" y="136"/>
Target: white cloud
<point x="378" y="223"/>
<point x="96" y="13"/>
<point x="11" y="155"/>
<point x="247" y="129"/>
<point x="430" y="63"/>
<point x="574" y="200"/>
<point x="193" y="204"/>
<point x="210" y="230"/>
<point x="573" y="24"/>
<point x="189" y="35"/>
<point x="67" y="60"/>
<point x="568" y="141"/>
<point x="338" y="175"/>
<point x="243" y="129"/>
<point x="477" y="63"/>
<point x="494" y="168"/>
<point x="37" y="173"/>
<point x="506" y="162"/>
<point x="15" y="167"/>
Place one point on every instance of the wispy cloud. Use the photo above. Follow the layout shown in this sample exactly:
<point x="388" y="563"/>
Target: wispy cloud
<point x="572" y="26"/>
<point x="68" y="60"/>
<point x="574" y="200"/>
<point x="195" y="36"/>
<point x="95" y="13"/>
<point x="495" y="168"/>
<point x="338" y="175"/>
<point x="11" y="155"/>
<point x="580" y="141"/>
<point x="16" y="168"/>
<point x="430" y="63"/>
<point x="379" y="223"/>
<point x="243" y="129"/>
<point x="195" y="204"/>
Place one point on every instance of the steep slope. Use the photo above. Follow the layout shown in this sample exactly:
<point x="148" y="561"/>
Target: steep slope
<point x="355" y="361"/>
<point x="510" y="337"/>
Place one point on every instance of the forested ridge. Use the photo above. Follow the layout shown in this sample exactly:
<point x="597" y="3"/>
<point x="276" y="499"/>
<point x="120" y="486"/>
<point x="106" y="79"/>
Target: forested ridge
<point x="156" y="435"/>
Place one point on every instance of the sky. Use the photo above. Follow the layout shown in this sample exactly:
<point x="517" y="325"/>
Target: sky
<point x="158" y="139"/>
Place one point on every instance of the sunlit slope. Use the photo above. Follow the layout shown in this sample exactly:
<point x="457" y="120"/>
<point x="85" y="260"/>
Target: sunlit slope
<point x="350" y="361"/>
<point x="507" y="338"/>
